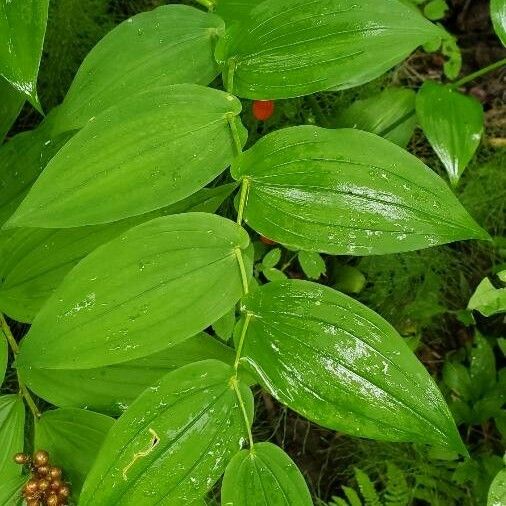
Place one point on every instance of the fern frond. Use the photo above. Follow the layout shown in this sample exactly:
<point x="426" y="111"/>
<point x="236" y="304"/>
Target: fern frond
<point x="367" y="489"/>
<point x="397" y="491"/>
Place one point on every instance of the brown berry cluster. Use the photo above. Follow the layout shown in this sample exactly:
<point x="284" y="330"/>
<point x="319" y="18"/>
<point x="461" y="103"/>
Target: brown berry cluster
<point x="45" y="486"/>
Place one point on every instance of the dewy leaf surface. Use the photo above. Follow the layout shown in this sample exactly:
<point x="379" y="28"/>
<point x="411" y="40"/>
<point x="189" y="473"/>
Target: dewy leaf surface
<point x="498" y="15"/>
<point x="347" y="192"/>
<point x="148" y="152"/>
<point x="174" y="442"/>
<point x="12" y="426"/>
<point x="173" y="44"/>
<point x="72" y="437"/>
<point x="341" y="365"/>
<point x="35" y="261"/>
<point x="22" y="30"/>
<point x="289" y="48"/>
<point x="11" y="101"/>
<point x="453" y="124"/>
<point x="263" y="476"/>
<point x="152" y="287"/>
<point x="111" y="389"/>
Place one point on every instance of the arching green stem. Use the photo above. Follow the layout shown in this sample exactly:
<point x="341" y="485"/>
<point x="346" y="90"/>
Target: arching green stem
<point x="479" y="73"/>
<point x="243" y="198"/>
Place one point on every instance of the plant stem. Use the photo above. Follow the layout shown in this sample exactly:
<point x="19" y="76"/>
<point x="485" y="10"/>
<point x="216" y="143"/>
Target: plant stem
<point x="235" y="386"/>
<point x="243" y="199"/>
<point x="231" y="118"/>
<point x="240" y="345"/>
<point x="6" y="331"/>
<point x="242" y="268"/>
<point x="208" y="4"/>
<point x="479" y="73"/>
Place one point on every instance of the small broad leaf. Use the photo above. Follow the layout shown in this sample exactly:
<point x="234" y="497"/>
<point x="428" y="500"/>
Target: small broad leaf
<point x="487" y="299"/>
<point x="456" y="377"/>
<point x="271" y="259"/>
<point x="482" y="370"/>
<point x="435" y="9"/>
<point x="35" y="261"/>
<point x="10" y="490"/>
<point x="261" y="476"/>
<point x="150" y="151"/>
<point x="347" y="192"/>
<point x="341" y="365"/>
<point x="224" y="327"/>
<point x="11" y="101"/>
<point x="12" y="427"/>
<point x="390" y="114"/>
<point x="145" y="51"/>
<point x="274" y="274"/>
<point x="22" y="30"/>
<point x="498" y="15"/>
<point x="312" y="264"/>
<point x="152" y="287"/>
<point x="289" y="48"/>
<point x="453" y="124"/>
<point x="497" y="490"/>
<point x="4" y="355"/>
<point x="173" y="442"/>
<point x="72" y="437"/>
<point x="111" y="389"/>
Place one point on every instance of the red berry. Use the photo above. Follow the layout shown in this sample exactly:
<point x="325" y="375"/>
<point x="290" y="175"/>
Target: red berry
<point x="263" y="109"/>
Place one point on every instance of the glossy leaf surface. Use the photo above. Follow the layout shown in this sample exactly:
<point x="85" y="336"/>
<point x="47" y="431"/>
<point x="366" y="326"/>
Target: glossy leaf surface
<point x="72" y="437"/>
<point x="173" y="442"/>
<point x="234" y="10"/>
<point x="22" y="30"/>
<point x="10" y="490"/>
<point x="35" y="261"/>
<point x="151" y="151"/>
<point x="453" y="124"/>
<point x="497" y="491"/>
<point x="347" y="192"/>
<point x="173" y="44"/>
<point x="152" y="287"/>
<point x="390" y="114"/>
<point x="264" y="476"/>
<point x="4" y="351"/>
<point x="12" y="426"/>
<point x="111" y="389"/>
<point x="341" y="365"/>
<point x="290" y="48"/>
<point x="498" y="15"/>
<point x="11" y="102"/>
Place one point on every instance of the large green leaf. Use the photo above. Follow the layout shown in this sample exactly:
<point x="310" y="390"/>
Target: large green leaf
<point x="113" y="388"/>
<point x="12" y="426"/>
<point x="152" y="287"/>
<point x="498" y="15"/>
<point x="22" y="30"/>
<point x="173" y="44"/>
<point x="72" y="437"/>
<point x="497" y="491"/>
<point x="35" y="261"/>
<point x="288" y="48"/>
<point x="341" y="365"/>
<point x="390" y="114"/>
<point x="234" y="10"/>
<point x="11" y="102"/>
<point x="22" y="159"/>
<point x="152" y="150"/>
<point x="10" y="490"/>
<point x="264" y="476"/>
<point x="4" y="355"/>
<point x="453" y="124"/>
<point x="173" y="442"/>
<point x="347" y="192"/>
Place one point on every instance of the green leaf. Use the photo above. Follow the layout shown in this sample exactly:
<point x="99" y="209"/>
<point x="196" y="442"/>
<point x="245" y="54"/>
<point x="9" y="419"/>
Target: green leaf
<point x="347" y="192"/>
<point x="10" y="490"/>
<point x="482" y="370"/>
<point x="271" y="259"/>
<point x="113" y="388"/>
<point x="312" y="264"/>
<point x="152" y="287"/>
<point x="456" y="377"/>
<point x="148" y="152"/>
<point x="12" y="426"/>
<point x="289" y="48"/>
<point x="234" y="10"/>
<point x="4" y="355"/>
<point x="450" y="48"/>
<point x="339" y="364"/>
<point x="435" y="9"/>
<point x="35" y="261"/>
<point x="352" y="496"/>
<point x="487" y="299"/>
<point x="174" y="442"/>
<point x="264" y="475"/>
<point x="274" y="274"/>
<point x="22" y="159"/>
<point x="497" y="491"/>
<point x="11" y="102"/>
<point x="22" y="30"/>
<point x="224" y="327"/>
<point x="498" y="15"/>
<point x="390" y="114"/>
<point x="173" y="44"/>
<point x="367" y="488"/>
<point x="72" y="437"/>
<point x="349" y="279"/>
<point x="453" y="124"/>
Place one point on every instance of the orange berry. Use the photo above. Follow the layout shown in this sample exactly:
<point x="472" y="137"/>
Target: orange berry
<point x="262" y="109"/>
